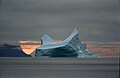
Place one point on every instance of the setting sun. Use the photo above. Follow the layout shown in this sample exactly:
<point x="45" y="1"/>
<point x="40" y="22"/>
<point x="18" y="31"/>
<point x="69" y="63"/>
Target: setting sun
<point x="29" y="46"/>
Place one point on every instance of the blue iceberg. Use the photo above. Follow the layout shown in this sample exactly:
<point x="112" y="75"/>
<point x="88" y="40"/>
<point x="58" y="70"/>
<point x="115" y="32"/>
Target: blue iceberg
<point x="70" y="47"/>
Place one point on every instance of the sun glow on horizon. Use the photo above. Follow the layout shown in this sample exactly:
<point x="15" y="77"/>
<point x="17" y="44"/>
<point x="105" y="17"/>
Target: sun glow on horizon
<point x="29" y="46"/>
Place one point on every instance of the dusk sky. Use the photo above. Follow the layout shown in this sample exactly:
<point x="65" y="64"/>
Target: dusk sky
<point x="30" y="19"/>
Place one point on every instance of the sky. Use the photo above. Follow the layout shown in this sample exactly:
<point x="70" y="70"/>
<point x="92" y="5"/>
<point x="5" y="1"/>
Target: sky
<point x="97" y="20"/>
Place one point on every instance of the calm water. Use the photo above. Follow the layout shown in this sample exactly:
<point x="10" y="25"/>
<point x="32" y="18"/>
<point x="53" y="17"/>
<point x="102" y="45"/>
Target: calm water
<point x="58" y="68"/>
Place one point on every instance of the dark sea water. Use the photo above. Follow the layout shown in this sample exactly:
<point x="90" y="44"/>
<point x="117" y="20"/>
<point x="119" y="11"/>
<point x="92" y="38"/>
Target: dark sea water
<point x="59" y="68"/>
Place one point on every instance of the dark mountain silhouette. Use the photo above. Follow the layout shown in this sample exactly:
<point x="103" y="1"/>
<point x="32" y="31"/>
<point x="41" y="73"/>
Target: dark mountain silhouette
<point x="7" y="50"/>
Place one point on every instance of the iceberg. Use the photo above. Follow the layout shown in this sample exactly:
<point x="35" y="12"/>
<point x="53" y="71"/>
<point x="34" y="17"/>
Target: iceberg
<point x="70" y="47"/>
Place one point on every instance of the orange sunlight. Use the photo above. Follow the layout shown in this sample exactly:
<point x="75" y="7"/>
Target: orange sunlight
<point x="29" y="46"/>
